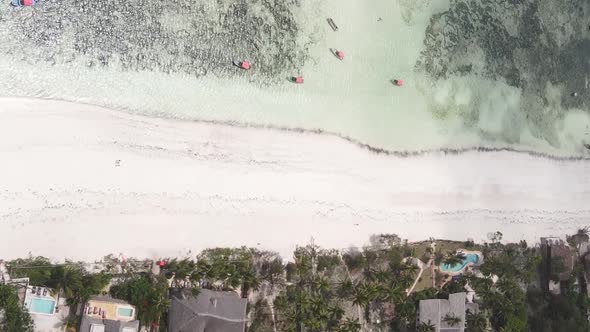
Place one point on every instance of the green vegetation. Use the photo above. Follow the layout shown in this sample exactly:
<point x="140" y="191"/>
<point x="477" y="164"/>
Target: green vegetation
<point x="367" y="284"/>
<point x="12" y="315"/>
<point x="452" y="320"/>
<point x="425" y="327"/>
<point x="476" y="322"/>
<point x="357" y="289"/>
<point x="514" y="265"/>
<point x="147" y="293"/>
<point x="70" y="279"/>
<point x="309" y="302"/>
<point x="224" y="269"/>
<point x="37" y="269"/>
<point x="76" y="284"/>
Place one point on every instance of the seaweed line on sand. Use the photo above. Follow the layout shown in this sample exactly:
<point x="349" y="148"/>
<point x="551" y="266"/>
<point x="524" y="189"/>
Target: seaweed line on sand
<point x="358" y="143"/>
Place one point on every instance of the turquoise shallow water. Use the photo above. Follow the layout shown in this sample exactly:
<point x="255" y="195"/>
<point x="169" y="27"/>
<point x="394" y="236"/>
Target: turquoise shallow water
<point x="469" y="258"/>
<point x="473" y="72"/>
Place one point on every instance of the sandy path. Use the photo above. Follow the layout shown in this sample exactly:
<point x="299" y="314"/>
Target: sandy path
<point x="184" y="186"/>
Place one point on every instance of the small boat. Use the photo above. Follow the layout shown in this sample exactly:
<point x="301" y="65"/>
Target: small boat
<point x="338" y="54"/>
<point x="242" y="64"/>
<point x="332" y="24"/>
<point x="297" y="79"/>
<point x="23" y="3"/>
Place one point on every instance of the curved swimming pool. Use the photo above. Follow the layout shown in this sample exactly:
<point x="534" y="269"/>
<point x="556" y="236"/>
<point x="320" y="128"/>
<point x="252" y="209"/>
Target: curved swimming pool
<point x="469" y="258"/>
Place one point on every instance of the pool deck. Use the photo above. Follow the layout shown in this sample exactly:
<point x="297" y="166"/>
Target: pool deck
<point x="47" y="322"/>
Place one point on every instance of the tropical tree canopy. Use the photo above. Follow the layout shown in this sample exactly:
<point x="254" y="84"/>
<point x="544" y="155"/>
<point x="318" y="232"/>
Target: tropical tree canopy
<point x="37" y="269"/>
<point x="476" y="322"/>
<point x="425" y="327"/>
<point x="452" y="320"/>
<point x="13" y="317"/>
<point x="148" y="294"/>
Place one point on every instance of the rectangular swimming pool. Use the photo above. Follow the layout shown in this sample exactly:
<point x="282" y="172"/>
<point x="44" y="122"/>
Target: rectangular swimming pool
<point x="42" y="306"/>
<point x="124" y="312"/>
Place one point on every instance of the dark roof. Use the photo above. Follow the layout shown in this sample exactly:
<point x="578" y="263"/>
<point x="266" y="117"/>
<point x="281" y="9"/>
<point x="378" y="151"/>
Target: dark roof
<point x="210" y="311"/>
<point x="565" y="256"/>
<point x="109" y="325"/>
<point x="587" y="271"/>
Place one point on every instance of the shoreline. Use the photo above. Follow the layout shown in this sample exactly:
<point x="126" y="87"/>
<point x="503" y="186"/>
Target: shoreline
<point x="321" y="132"/>
<point x="185" y="185"/>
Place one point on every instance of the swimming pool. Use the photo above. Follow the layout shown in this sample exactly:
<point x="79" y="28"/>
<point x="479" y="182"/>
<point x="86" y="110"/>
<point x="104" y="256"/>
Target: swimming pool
<point x="42" y="306"/>
<point x="469" y="258"/>
<point x="125" y="312"/>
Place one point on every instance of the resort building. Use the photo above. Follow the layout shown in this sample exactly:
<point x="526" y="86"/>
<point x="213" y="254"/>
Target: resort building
<point x="557" y="264"/>
<point x="446" y="315"/>
<point x="105" y="314"/>
<point x="209" y="311"/>
<point x="48" y="311"/>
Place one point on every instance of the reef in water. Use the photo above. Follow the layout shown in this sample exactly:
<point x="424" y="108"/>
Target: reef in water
<point x="197" y="38"/>
<point x="540" y="47"/>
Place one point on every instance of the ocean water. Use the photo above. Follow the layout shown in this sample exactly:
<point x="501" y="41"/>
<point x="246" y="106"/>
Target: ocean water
<point x="476" y="73"/>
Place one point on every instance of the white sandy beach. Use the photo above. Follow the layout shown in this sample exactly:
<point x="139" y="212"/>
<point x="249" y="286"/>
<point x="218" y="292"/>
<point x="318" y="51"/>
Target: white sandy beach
<point x="183" y="186"/>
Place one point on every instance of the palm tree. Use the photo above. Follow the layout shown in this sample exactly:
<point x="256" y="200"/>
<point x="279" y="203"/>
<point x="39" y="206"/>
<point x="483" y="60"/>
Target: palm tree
<point x="320" y="285"/>
<point x="302" y="304"/>
<point x="91" y="284"/>
<point x="201" y="270"/>
<point x="476" y="322"/>
<point x="318" y="307"/>
<point x="159" y="305"/>
<point x="302" y="264"/>
<point x="364" y="293"/>
<point x="507" y="286"/>
<point x="361" y="295"/>
<point x="182" y="268"/>
<point x="579" y="238"/>
<point x="354" y="260"/>
<point x="66" y="280"/>
<point x="312" y="324"/>
<point x="335" y="313"/>
<point x="272" y="271"/>
<point x="249" y="281"/>
<point x="452" y="320"/>
<point x="438" y="257"/>
<point x="345" y="289"/>
<point x="71" y="322"/>
<point x="349" y="325"/>
<point x="381" y="276"/>
<point x="281" y="307"/>
<point x="392" y="293"/>
<point x="425" y="327"/>
<point x="454" y="259"/>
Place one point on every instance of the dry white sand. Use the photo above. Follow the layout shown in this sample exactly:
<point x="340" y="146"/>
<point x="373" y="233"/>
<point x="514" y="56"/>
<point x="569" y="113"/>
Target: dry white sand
<point x="186" y="186"/>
